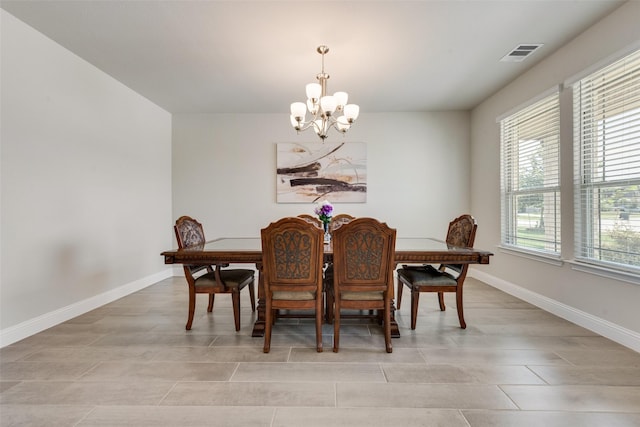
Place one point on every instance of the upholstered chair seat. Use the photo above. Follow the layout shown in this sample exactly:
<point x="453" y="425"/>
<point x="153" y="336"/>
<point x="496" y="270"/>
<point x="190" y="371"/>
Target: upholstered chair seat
<point x="428" y="276"/>
<point x="294" y="296"/>
<point x="363" y="296"/>
<point x="231" y="278"/>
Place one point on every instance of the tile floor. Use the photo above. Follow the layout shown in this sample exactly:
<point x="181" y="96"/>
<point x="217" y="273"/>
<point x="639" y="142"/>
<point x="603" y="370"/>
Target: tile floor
<point x="131" y="363"/>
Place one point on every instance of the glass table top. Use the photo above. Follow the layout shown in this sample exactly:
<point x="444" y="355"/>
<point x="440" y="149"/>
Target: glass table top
<point x="254" y="244"/>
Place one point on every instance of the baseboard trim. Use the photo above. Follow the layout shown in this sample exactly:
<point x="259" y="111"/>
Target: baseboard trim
<point x="617" y="333"/>
<point x="30" y="327"/>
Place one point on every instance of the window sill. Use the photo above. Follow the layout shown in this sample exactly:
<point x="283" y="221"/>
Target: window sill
<point x="610" y="273"/>
<point x="536" y="256"/>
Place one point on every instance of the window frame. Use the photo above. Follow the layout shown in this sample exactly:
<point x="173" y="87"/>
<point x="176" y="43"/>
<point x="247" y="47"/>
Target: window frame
<point x="590" y="141"/>
<point x="543" y="110"/>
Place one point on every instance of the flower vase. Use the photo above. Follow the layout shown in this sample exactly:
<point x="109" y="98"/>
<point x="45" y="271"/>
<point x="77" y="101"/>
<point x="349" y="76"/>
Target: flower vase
<point x="327" y="235"/>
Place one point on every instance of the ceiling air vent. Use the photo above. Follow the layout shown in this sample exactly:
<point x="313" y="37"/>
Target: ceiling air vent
<point x="521" y="52"/>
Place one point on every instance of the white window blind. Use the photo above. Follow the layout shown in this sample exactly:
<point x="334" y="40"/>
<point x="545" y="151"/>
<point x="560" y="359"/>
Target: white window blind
<point x="530" y="177"/>
<point x="607" y="165"/>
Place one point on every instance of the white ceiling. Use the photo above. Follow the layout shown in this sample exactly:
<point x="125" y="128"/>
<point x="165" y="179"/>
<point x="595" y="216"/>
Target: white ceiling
<point x="256" y="56"/>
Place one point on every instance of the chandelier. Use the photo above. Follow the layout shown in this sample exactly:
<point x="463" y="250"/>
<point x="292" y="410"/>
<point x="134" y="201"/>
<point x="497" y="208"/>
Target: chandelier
<point x="323" y="108"/>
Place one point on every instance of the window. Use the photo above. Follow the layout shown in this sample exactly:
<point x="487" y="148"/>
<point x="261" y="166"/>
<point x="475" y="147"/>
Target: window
<point x="607" y="165"/>
<point x="530" y="177"/>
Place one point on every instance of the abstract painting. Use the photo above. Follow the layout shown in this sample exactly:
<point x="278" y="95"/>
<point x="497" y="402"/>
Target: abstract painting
<point x="310" y="172"/>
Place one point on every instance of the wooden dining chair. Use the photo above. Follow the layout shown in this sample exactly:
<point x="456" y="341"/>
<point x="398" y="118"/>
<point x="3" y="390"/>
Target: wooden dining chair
<point x="445" y="278"/>
<point x="211" y="279"/>
<point x="363" y="265"/>
<point x="280" y="314"/>
<point x="292" y="261"/>
<point x="336" y="222"/>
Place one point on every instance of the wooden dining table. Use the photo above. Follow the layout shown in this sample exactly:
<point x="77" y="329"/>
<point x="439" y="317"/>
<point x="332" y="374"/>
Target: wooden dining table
<point x="248" y="250"/>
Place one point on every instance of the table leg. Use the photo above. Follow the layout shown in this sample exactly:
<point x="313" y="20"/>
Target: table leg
<point x="395" y="331"/>
<point x="258" y="327"/>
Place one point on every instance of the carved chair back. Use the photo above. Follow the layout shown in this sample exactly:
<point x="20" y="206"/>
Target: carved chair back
<point x="339" y="220"/>
<point x="190" y="232"/>
<point x="292" y="255"/>
<point x="461" y="233"/>
<point x="311" y="219"/>
<point x="364" y="255"/>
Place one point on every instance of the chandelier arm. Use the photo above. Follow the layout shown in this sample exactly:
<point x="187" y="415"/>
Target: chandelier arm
<point x="305" y="125"/>
<point x="334" y="124"/>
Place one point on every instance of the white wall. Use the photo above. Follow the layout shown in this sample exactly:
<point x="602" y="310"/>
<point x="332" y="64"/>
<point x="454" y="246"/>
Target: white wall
<point x="86" y="185"/>
<point x="224" y="170"/>
<point x="607" y="305"/>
